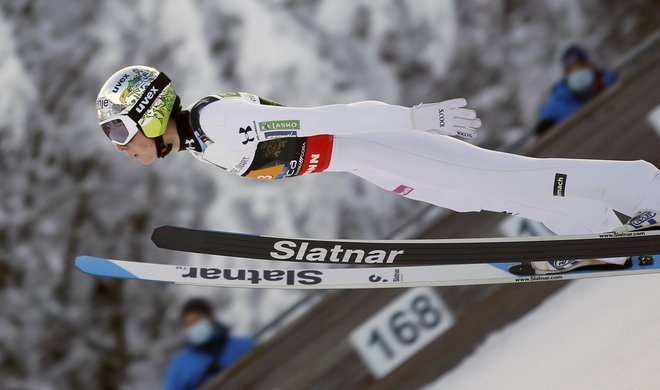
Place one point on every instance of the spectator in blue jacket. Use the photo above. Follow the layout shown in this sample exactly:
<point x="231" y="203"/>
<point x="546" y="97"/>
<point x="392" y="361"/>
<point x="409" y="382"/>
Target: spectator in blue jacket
<point x="582" y="81"/>
<point x="210" y="348"/>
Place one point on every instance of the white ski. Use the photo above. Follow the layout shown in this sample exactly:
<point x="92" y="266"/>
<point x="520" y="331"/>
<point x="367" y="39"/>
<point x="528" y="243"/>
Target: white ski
<point x="333" y="278"/>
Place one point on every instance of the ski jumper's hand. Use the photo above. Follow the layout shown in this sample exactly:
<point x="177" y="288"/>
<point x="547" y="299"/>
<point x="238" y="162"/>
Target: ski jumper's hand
<point x="447" y="118"/>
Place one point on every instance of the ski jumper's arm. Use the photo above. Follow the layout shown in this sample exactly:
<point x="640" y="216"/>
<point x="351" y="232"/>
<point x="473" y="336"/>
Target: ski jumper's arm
<point x="447" y="117"/>
<point x="258" y="138"/>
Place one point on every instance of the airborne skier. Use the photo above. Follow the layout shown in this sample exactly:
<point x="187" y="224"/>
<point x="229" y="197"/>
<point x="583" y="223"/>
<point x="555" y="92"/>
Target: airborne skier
<point x="396" y="148"/>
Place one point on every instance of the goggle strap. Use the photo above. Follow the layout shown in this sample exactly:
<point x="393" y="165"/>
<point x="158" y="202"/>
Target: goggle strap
<point x="146" y="101"/>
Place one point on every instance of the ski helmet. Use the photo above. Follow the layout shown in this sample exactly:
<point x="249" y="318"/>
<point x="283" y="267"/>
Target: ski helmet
<point x="136" y="98"/>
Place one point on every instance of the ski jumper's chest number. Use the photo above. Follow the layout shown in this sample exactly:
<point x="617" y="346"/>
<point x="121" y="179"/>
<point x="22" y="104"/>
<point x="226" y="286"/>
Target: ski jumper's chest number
<point x="401" y="329"/>
<point x="292" y="156"/>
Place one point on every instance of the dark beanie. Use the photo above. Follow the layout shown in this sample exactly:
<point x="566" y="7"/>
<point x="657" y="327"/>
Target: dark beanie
<point x="197" y="305"/>
<point x="573" y="54"/>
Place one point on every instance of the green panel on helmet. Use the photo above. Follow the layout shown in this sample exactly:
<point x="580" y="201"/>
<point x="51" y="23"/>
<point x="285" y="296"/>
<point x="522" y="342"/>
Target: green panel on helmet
<point x="154" y="128"/>
<point x="154" y="121"/>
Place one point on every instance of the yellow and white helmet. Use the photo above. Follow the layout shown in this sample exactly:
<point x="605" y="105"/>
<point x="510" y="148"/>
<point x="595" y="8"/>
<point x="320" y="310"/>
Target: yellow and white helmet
<point x="136" y="98"/>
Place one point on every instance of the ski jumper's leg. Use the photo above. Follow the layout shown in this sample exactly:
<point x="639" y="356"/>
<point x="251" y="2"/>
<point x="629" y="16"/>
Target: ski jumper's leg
<point x="561" y="215"/>
<point x="503" y="182"/>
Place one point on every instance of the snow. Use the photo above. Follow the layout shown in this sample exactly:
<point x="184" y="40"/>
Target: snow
<point x="592" y="334"/>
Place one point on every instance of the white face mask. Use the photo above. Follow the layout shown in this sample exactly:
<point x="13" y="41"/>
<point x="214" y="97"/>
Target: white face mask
<point x="199" y="332"/>
<point x="581" y="80"/>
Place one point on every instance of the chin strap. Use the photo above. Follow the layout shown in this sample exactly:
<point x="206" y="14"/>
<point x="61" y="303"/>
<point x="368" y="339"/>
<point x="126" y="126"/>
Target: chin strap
<point x="162" y="150"/>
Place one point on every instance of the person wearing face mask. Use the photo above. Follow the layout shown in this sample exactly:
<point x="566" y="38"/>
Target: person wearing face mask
<point x="582" y="81"/>
<point x="210" y="348"/>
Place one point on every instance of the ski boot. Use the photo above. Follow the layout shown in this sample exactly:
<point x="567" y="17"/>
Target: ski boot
<point x="645" y="219"/>
<point x="562" y="266"/>
<point x="642" y="220"/>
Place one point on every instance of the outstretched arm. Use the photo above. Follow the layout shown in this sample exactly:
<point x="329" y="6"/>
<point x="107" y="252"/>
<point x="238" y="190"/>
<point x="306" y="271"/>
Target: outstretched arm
<point x="448" y="117"/>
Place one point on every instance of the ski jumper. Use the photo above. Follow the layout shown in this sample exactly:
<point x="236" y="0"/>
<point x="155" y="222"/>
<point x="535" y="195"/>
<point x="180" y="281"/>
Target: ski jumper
<point x="253" y="137"/>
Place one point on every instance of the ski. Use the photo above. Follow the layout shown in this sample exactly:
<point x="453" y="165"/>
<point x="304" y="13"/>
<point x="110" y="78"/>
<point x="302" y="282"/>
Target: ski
<point x="334" y="278"/>
<point x="408" y="252"/>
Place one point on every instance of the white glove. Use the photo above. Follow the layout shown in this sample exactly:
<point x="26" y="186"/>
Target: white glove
<point x="446" y="118"/>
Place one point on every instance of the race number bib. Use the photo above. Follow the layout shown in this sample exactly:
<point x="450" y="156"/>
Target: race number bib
<point x="287" y="157"/>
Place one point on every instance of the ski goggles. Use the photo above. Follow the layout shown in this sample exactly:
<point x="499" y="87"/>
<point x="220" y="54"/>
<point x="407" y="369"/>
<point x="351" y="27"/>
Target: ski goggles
<point x="121" y="129"/>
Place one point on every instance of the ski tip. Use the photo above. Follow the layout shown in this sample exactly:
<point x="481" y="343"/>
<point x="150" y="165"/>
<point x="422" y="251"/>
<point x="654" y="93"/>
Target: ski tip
<point x="154" y="235"/>
<point x="99" y="266"/>
<point x="161" y="235"/>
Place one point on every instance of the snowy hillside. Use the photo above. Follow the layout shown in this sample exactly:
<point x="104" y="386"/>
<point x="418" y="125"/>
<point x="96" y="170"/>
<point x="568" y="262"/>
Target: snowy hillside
<point x="65" y="191"/>
<point x="594" y="334"/>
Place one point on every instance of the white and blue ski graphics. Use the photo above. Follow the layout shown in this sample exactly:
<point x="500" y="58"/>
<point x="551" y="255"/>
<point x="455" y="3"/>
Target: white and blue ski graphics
<point x="336" y="278"/>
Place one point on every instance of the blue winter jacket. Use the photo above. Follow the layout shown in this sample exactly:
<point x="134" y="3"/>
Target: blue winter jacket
<point x="190" y="368"/>
<point x="563" y="103"/>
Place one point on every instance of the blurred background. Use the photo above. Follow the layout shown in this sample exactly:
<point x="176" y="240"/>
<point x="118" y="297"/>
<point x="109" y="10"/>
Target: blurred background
<point x="64" y="191"/>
